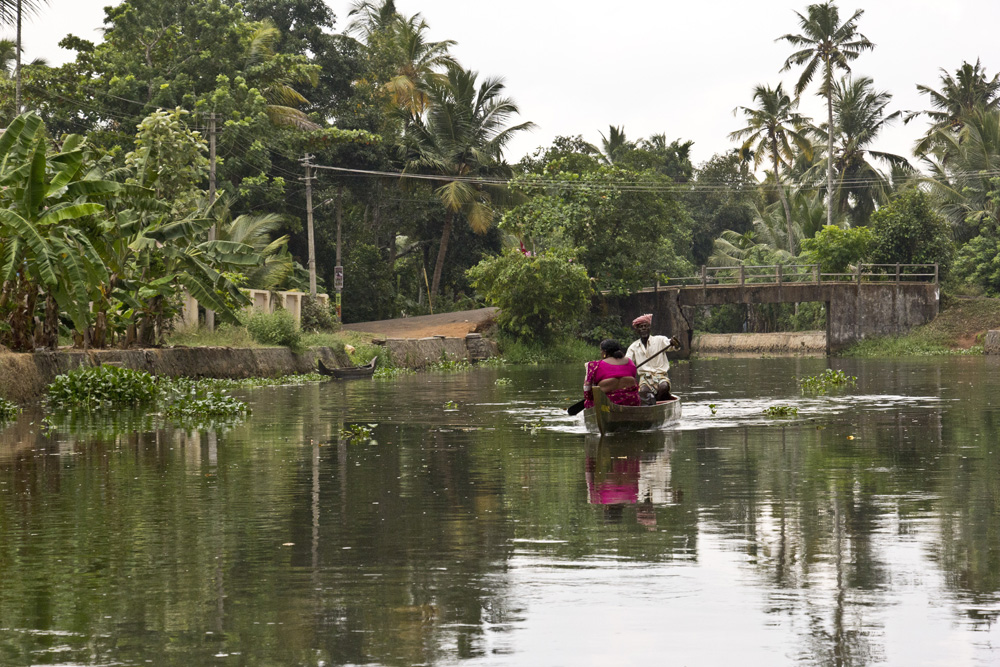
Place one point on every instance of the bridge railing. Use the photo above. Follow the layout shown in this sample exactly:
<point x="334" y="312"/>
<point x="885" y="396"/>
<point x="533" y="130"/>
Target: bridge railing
<point x="805" y="273"/>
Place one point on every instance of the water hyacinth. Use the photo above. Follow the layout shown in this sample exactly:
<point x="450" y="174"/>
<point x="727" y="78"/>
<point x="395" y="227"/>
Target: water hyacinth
<point x="103" y="386"/>
<point x="8" y="410"/>
<point x="827" y="380"/>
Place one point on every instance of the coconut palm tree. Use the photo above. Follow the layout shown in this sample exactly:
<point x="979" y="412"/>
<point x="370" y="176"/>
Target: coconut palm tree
<point x="772" y="127"/>
<point x="615" y="145"/>
<point x="12" y="13"/>
<point x="963" y="173"/>
<point x="968" y="90"/>
<point x="256" y="231"/>
<point x="418" y="60"/>
<point x="370" y="18"/>
<point x="825" y="44"/>
<point x="461" y="138"/>
<point x="859" y="116"/>
<point x="275" y="78"/>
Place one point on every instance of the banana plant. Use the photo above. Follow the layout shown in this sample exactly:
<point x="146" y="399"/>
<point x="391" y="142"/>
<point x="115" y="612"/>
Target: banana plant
<point x="47" y="206"/>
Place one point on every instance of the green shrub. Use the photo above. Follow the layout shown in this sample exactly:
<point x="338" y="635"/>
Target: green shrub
<point x="317" y="317"/>
<point x="596" y="328"/>
<point x="277" y="328"/>
<point x="836" y="249"/>
<point x="103" y="386"/>
<point x="909" y="230"/>
<point x="536" y="295"/>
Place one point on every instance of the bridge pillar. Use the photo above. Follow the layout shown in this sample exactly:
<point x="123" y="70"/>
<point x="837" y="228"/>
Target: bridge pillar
<point x="668" y="318"/>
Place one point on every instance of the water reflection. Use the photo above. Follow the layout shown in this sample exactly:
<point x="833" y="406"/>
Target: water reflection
<point x="478" y="525"/>
<point x="630" y="470"/>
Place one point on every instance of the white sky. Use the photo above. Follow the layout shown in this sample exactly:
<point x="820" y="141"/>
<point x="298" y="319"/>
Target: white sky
<point x="652" y="66"/>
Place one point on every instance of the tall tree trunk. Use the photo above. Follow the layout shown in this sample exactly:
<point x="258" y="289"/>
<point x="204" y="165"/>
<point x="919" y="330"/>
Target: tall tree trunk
<point x="51" y="328"/>
<point x="449" y="218"/>
<point x="829" y="154"/>
<point x="783" y="198"/>
<point x="17" y="64"/>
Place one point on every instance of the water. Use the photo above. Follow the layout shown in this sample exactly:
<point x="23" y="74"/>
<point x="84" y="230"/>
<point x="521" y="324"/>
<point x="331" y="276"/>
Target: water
<point x="482" y="527"/>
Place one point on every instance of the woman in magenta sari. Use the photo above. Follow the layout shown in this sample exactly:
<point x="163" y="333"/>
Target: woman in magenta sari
<point x="614" y="373"/>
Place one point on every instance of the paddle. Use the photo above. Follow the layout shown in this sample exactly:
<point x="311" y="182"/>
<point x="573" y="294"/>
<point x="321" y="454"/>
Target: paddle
<point x="577" y="407"/>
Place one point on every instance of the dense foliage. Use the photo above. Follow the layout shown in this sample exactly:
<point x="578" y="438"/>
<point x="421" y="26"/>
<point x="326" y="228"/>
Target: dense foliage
<point x="277" y="328"/>
<point x="102" y="387"/>
<point x="537" y="295"/>
<point x="108" y="214"/>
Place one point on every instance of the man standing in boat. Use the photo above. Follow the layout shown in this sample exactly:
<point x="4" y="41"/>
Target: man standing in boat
<point x="654" y="383"/>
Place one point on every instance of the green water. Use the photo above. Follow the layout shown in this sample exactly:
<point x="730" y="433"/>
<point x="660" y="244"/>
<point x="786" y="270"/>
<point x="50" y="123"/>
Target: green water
<point x="481" y="526"/>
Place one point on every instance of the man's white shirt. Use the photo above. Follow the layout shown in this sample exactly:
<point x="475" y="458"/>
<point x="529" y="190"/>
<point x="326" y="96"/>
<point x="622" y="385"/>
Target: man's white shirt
<point x="638" y="353"/>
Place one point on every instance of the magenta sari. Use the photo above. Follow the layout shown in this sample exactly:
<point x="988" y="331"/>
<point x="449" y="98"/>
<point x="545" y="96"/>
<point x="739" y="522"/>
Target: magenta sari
<point x="600" y="370"/>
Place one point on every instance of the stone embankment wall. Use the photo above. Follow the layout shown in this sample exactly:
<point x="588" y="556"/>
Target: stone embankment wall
<point x="421" y="352"/>
<point x="992" y="343"/>
<point x="23" y="377"/>
<point x="799" y="342"/>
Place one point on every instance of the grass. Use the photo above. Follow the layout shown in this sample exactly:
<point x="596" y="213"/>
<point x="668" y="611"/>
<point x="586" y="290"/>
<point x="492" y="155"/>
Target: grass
<point x="533" y="352"/>
<point x="225" y="335"/>
<point x="958" y="329"/>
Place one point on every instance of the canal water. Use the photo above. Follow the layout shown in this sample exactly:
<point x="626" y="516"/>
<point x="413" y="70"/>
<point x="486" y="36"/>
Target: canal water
<point x="465" y="519"/>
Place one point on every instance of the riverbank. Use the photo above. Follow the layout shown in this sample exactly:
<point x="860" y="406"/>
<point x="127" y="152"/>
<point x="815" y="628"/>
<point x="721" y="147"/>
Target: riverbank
<point x="25" y="376"/>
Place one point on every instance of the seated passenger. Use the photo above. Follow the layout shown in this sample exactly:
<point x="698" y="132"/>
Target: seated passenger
<point x="614" y="374"/>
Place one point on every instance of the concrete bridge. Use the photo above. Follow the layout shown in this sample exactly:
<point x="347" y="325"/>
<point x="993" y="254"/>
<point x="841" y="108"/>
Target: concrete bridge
<point x="874" y="300"/>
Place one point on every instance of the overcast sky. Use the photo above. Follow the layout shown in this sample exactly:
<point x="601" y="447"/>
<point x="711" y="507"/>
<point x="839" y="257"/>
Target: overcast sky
<point x="652" y="66"/>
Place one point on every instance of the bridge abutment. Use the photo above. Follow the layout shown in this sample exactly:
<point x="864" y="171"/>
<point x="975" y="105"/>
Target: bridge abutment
<point x="854" y="311"/>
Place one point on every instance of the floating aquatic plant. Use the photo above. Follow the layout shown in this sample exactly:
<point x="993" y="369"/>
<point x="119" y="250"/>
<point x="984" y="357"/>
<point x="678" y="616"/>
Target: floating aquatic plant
<point x="103" y="386"/>
<point x="781" y="411"/>
<point x="357" y="432"/>
<point x="8" y="410"/>
<point x="828" y="379"/>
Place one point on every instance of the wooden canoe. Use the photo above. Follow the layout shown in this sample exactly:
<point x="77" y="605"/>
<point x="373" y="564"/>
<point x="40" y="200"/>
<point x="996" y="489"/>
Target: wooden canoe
<point x="607" y="417"/>
<point x="348" y="373"/>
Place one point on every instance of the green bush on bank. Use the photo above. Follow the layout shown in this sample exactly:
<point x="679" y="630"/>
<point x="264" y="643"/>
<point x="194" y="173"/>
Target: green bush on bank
<point x="277" y="328"/>
<point x="317" y="317"/>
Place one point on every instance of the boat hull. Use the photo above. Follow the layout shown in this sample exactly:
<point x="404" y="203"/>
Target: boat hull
<point x="349" y="373"/>
<point x="607" y="417"/>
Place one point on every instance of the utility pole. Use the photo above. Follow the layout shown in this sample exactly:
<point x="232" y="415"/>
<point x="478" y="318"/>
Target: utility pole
<point x="210" y="314"/>
<point x="338" y="270"/>
<point x="309" y="224"/>
<point x="17" y="65"/>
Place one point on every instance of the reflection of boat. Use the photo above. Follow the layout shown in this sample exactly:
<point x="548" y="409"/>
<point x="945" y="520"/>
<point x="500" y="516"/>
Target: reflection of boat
<point x="631" y="471"/>
<point x="607" y="417"/>
<point x="349" y="373"/>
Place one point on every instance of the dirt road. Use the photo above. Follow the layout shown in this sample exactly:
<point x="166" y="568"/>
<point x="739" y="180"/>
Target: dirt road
<point x="452" y="325"/>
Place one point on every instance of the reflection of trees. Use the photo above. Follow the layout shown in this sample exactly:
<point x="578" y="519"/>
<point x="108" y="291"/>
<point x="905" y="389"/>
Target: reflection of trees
<point x="411" y="533"/>
<point x="969" y="486"/>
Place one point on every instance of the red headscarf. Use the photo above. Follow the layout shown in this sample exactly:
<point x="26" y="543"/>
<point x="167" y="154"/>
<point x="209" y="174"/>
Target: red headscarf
<point x="643" y="319"/>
